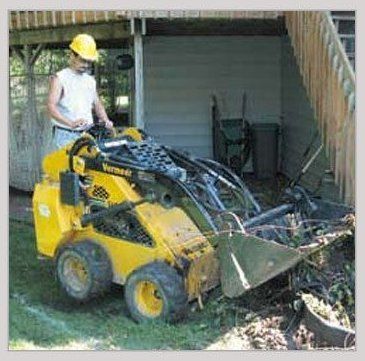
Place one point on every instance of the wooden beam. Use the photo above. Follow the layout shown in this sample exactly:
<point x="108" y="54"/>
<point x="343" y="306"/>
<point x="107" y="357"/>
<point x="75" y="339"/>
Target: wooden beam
<point x="35" y="14"/>
<point x="172" y="27"/>
<point x="115" y="30"/>
<point x="19" y="54"/>
<point x="45" y="22"/>
<point x="33" y="54"/>
<point x="139" y="83"/>
<point x="26" y="14"/>
<point x="18" y="22"/>
<point x="36" y="53"/>
<point x="54" y="21"/>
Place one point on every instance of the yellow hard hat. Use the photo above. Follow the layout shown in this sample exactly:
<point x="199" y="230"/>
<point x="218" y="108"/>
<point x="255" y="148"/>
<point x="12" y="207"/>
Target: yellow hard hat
<point x="85" y="46"/>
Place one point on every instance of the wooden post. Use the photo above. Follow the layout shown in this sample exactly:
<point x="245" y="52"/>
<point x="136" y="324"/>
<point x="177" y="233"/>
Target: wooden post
<point x="138" y="121"/>
<point x="31" y="114"/>
<point x="26" y="142"/>
<point x="132" y="100"/>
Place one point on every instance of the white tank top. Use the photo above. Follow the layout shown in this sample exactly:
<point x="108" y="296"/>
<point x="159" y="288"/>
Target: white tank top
<point x="77" y="97"/>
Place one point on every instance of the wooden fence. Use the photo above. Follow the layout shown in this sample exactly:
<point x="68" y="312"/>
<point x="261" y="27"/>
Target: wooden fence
<point x="330" y="83"/>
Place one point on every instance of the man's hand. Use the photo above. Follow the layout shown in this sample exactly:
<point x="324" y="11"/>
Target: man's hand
<point x="79" y="123"/>
<point x="108" y="124"/>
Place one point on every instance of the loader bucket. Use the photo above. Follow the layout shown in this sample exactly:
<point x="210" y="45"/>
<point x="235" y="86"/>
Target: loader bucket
<point x="248" y="261"/>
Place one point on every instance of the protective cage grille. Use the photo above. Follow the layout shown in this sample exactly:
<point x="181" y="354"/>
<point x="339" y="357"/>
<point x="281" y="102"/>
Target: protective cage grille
<point x="99" y="192"/>
<point x="125" y="226"/>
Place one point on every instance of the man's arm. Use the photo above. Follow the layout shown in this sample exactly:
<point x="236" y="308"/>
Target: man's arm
<point x="54" y="95"/>
<point x="101" y="113"/>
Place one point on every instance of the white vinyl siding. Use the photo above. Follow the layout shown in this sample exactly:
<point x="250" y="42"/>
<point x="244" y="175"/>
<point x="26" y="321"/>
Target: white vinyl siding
<point x="181" y="73"/>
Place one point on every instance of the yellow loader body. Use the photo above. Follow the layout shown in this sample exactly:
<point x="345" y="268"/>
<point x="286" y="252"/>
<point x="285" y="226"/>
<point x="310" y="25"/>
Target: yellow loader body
<point x="173" y="234"/>
<point x="168" y="226"/>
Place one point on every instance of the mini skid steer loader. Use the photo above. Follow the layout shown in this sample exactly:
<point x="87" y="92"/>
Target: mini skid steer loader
<point x="118" y="207"/>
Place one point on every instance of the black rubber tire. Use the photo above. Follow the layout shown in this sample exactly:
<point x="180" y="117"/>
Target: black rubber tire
<point x="171" y="289"/>
<point x="97" y="268"/>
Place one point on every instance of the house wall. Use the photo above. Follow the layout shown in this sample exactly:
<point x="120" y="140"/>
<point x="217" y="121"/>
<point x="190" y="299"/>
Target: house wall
<point x="181" y="73"/>
<point x="299" y="128"/>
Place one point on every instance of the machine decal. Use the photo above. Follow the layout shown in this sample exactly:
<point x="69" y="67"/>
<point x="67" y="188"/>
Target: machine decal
<point x="44" y="210"/>
<point x="115" y="170"/>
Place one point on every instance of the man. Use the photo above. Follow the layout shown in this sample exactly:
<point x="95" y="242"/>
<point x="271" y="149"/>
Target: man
<point x="73" y="96"/>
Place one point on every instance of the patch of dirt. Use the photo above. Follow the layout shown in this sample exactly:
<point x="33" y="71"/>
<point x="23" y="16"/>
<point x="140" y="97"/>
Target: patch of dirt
<point x="267" y="318"/>
<point x="259" y="334"/>
<point x="266" y="191"/>
<point x="20" y="205"/>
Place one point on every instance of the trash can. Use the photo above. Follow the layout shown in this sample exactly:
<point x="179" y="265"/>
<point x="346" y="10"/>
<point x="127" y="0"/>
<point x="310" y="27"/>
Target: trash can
<point x="265" y="149"/>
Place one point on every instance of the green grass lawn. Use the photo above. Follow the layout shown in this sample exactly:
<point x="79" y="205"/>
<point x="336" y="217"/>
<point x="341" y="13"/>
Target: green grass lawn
<point x="40" y="316"/>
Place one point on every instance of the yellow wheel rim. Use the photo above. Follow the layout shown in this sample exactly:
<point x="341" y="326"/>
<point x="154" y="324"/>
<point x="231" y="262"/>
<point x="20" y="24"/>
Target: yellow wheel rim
<point x="148" y="299"/>
<point x="75" y="273"/>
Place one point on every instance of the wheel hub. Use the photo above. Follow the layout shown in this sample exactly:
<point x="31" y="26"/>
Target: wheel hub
<point x="148" y="299"/>
<point x="75" y="273"/>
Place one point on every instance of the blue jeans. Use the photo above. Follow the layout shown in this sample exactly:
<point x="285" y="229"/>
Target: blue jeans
<point x="62" y="137"/>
